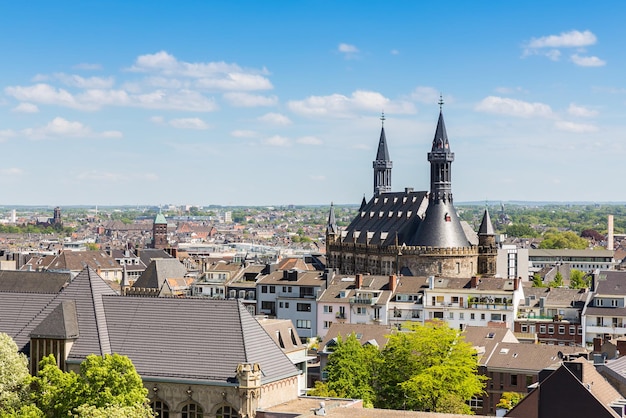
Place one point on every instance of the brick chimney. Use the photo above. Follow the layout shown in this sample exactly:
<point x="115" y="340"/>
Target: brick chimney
<point x="392" y="283"/>
<point x="359" y="281"/>
<point x="474" y="283"/>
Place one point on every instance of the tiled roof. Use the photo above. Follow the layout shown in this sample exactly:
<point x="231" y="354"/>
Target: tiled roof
<point x="529" y="357"/>
<point x="32" y="281"/>
<point x="190" y="338"/>
<point x="610" y="282"/>
<point x="364" y="332"/>
<point x="159" y="270"/>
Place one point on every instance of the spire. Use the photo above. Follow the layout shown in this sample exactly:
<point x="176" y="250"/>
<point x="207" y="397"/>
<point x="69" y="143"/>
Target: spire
<point x="441" y="159"/>
<point x="331" y="227"/>
<point x="382" y="164"/>
<point x="363" y="203"/>
<point x="486" y="227"/>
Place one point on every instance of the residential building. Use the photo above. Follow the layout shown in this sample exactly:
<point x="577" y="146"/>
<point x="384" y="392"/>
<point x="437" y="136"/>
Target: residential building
<point x="163" y="277"/>
<point x="587" y="261"/>
<point x="604" y="315"/>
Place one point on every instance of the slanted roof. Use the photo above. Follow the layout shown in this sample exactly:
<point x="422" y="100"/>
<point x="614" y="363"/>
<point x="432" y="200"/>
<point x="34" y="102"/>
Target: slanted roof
<point x="148" y="254"/>
<point x="159" y="270"/>
<point x="365" y="333"/>
<point x="160" y="219"/>
<point x="32" y="281"/>
<point x="61" y="323"/>
<point x="162" y="335"/>
<point x="441" y="228"/>
<point x="486" y="227"/>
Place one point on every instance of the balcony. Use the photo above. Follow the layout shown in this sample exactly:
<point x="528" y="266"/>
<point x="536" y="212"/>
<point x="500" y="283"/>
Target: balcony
<point x="340" y="315"/>
<point x="362" y="300"/>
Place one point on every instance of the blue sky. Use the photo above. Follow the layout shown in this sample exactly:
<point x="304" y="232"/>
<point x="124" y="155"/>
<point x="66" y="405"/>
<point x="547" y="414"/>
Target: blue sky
<point x="279" y="102"/>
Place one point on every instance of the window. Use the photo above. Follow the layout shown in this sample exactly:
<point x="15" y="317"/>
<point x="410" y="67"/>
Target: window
<point x="361" y="310"/>
<point x="580" y="330"/>
<point x="438" y="315"/>
<point x="263" y="289"/>
<point x="439" y="300"/>
<point x="415" y="314"/>
<point x="614" y="302"/>
<point x="461" y="315"/>
<point x="550" y="329"/>
<point x="524" y="328"/>
<point x="476" y="403"/>
<point x="455" y="299"/>
<point x="482" y="316"/>
<point x="451" y="315"/>
<point x="226" y="412"/>
<point x="327" y="324"/>
<point x="303" y="307"/>
<point x="160" y="409"/>
<point x="272" y="289"/>
<point x="513" y="380"/>
<point x="542" y="329"/>
<point x="561" y="329"/>
<point x="496" y="317"/>
<point x="328" y="309"/>
<point x="303" y="323"/>
<point x="472" y="316"/>
<point x="192" y="410"/>
<point x="572" y="330"/>
<point x="268" y="306"/>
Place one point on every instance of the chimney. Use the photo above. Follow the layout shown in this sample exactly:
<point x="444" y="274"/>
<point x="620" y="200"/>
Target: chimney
<point x="474" y="283"/>
<point x="516" y="283"/>
<point x="359" y="281"/>
<point x="609" y="237"/>
<point x="392" y="283"/>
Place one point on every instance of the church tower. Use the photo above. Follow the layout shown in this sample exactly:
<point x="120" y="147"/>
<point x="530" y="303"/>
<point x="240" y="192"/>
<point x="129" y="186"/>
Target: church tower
<point x="159" y="232"/>
<point x="441" y="227"/>
<point x="382" y="165"/>
<point x="487" y="248"/>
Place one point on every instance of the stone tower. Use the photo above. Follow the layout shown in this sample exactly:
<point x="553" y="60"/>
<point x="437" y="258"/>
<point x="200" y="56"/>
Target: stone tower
<point x="249" y="377"/>
<point x="487" y="248"/>
<point x="382" y="164"/>
<point x="159" y="232"/>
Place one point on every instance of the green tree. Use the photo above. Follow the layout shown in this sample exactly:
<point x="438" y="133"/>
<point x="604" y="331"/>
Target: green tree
<point x="429" y="368"/>
<point x="577" y="280"/>
<point x="521" y="231"/>
<point x="509" y="400"/>
<point x="103" y="382"/>
<point x="558" y="280"/>
<point x="14" y="376"/>
<point x="538" y="281"/>
<point x="554" y="239"/>
<point x="350" y="370"/>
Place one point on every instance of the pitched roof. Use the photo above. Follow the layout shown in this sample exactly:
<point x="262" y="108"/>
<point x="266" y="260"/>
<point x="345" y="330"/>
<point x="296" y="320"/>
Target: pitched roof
<point x="61" y="323"/>
<point x="382" y="154"/>
<point x="486" y="227"/>
<point x="32" y="281"/>
<point x="205" y="338"/>
<point x="159" y="270"/>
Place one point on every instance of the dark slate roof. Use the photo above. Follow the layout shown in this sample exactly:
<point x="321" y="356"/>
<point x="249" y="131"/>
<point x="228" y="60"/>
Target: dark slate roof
<point x="383" y="153"/>
<point x="610" y="282"/>
<point x="486" y="227"/>
<point x="159" y="270"/>
<point x="440" y="228"/>
<point x="331" y="226"/>
<point x="17" y="310"/>
<point x="192" y="338"/>
<point x="32" y="281"/>
<point x="384" y="216"/>
<point x="148" y="254"/>
<point x="61" y="323"/>
<point x="441" y="136"/>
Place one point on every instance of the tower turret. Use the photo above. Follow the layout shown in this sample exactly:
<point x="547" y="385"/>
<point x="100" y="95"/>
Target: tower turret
<point x="441" y="226"/>
<point x="382" y="164"/>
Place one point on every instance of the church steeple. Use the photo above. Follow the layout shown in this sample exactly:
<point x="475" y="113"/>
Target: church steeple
<point x="382" y="165"/>
<point x="331" y="226"/>
<point x="440" y="158"/>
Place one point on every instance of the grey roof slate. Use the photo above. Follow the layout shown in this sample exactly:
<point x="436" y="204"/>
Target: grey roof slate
<point x="158" y="271"/>
<point x="386" y="215"/>
<point x="486" y="227"/>
<point x="32" y="281"/>
<point x="61" y="323"/>
<point x="440" y="228"/>
<point x="189" y="338"/>
<point x="382" y="154"/>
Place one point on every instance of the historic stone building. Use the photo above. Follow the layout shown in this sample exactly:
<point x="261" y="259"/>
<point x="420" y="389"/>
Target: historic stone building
<point x="412" y="233"/>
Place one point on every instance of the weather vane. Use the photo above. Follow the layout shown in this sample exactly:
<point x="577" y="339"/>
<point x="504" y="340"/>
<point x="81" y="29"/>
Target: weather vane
<point x="440" y="102"/>
<point x="382" y="117"/>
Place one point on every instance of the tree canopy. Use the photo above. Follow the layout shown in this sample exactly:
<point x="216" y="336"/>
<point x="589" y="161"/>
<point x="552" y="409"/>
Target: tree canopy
<point x="554" y="239"/>
<point x="14" y="376"/>
<point x="578" y="279"/>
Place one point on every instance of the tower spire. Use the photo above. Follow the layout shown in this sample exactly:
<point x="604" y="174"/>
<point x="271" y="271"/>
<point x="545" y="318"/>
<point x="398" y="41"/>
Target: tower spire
<point x="382" y="164"/>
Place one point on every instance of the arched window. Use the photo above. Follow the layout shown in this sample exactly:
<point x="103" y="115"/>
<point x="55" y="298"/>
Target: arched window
<point x="226" y="412"/>
<point x="160" y="409"/>
<point x="192" y="410"/>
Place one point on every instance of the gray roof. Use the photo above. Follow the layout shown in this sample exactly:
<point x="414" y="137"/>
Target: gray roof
<point x="610" y="282"/>
<point x="32" y="281"/>
<point x="486" y="227"/>
<point x="192" y="338"/>
<point x="382" y="154"/>
<point x="159" y="270"/>
<point x="61" y="323"/>
<point x="148" y="254"/>
<point x="441" y="227"/>
<point x="386" y="215"/>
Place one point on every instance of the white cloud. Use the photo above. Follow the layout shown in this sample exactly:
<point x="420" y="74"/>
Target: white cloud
<point x="277" y="141"/>
<point x="394" y="52"/>
<point x="93" y="99"/>
<point x="425" y="94"/>
<point x="318" y="177"/>
<point x="6" y="134"/>
<point x="211" y="75"/>
<point x="275" y="119"/>
<point x="338" y="105"/>
<point x="575" y="127"/>
<point x="512" y="107"/>
<point x="116" y="177"/>
<point x="26" y="108"/>
<point x="242" y="133"/>
<point x="581" y="111"/>
<point x="87" y="66"/>
<point x="63" y="128"/>
<point x="159" y="120"/>
<point x="347" y="48"/>
<point x="571" y="39"/>
<point x="309" y="140"/>
<point x="42" y="93"/>
<point x="587" y="61"/>
<point x="85" y="83"/>
<point x="240" y="99"/>
<point x="189" y="123"/>
<point x="11" y="171"/>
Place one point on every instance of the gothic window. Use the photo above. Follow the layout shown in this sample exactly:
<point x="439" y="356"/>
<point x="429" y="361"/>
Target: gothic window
<point x="227" y="412"/>
<point x="193" y="410"/>
<point x="160" y="409"/>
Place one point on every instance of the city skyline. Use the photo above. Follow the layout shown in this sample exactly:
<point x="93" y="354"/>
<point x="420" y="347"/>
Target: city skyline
<point x="257" y="104"/>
